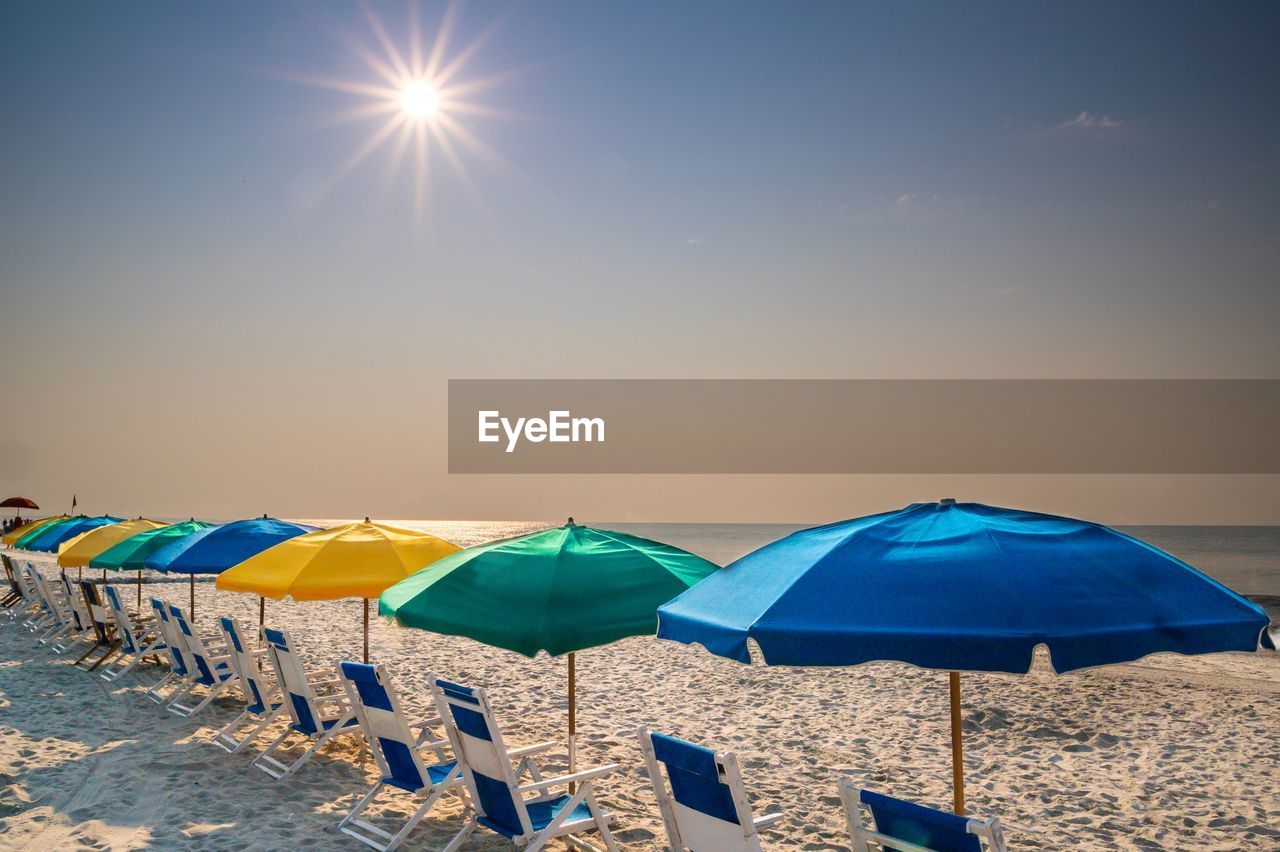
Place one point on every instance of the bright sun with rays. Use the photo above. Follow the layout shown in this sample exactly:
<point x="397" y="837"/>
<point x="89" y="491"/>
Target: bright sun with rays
<point x="420" y="96"/>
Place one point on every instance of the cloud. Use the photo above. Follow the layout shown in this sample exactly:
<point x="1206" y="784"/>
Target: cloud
<point x="693" y="241"/>
<point x="1089" y="119"/>
<point x="906" y="198"/>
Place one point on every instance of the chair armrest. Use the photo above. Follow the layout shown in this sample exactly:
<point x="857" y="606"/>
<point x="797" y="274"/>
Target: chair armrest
<point x="531" y="749"/>
<point x="562" y="780"/>
<point x="767" y="820"/>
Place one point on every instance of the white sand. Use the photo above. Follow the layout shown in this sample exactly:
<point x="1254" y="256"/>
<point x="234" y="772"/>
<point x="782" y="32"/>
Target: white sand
<point x="1172" y="753"/>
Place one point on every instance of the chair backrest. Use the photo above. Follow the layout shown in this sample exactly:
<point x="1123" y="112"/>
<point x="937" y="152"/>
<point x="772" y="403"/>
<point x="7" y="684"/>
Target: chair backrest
<point x="124" y="625"/>
<point x="13" y="580"/>
<point x="97" y="613"/>
<point x="703" y="803"/>
<point x="27" y="577"/>
<point x="198" y="655"/>
<point x="174" y="641"/>
<point x="245" y="665"/>
<point x="79" y="613"/>
<point x="902" y="826"/>
<point x="292" y="678"/>
<point x="385" y="728"/>
<point x="477" y="743"/>
<point x="53" y="604"/>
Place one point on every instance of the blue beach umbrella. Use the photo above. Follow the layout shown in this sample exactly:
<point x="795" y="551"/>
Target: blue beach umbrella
<point x="214" y="550"/>
<point x="961" y="587"/>
<point x="47" y="540"/>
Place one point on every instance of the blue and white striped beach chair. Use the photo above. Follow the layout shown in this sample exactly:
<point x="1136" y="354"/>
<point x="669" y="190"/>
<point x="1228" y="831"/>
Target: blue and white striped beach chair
<point x="62" y="621"/>
<point x="401" y="756"/>
<point x="29" y="602"/>
<point x="81" y="620"/>
<point x="204" y="669"/>
<point x="15" y="595"/>
<point x="703" y="803"/>
<point x="101" y="629"/>
<point x="135" y="643"/>
<point x="38" y="616"/>
<point x="492" y="774"/>
<point x="263" y="702"/>
<point x="319" y="709"/>
<point x="908" y="827"/>
<point x="176" y="679"/>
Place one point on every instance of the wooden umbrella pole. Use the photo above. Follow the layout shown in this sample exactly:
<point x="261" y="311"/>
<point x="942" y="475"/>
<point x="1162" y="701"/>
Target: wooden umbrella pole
<point x="957" y="747"/>
<point x="193" y="596"/>
<point x="139" y="590"/>
<point x="573" y="716"/>
<point x="365" y="602"/>
<point x="262" y="612"/>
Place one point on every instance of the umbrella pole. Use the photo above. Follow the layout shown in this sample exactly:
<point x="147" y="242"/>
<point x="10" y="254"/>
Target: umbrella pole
<point x="573" y="715"/>
<point x="957" y="747"/>
<point x="365" y="603"/>
<point x="139" y="590"/>
<point x="193" y="596"/>
<point x="262" y="612"/>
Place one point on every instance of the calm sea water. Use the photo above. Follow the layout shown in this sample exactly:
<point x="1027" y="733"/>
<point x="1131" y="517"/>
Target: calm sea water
<point x="1246" y="559"/>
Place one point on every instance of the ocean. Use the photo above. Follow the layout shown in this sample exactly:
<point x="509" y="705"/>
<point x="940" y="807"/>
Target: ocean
<point x="1244" y="558"/>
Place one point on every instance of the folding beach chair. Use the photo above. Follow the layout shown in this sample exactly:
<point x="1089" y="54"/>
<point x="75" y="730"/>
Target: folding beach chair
<point x="263" y="702"/>
<point x="176" y="679"/>
<point x="703" y="802"/>
<point x="492" y="774"/>
<point x="59" y="622"/>
<point x="401" y="756"/>
<point x="319" y="709"/>
<point x="205" y="668"/>
<point x="135" y="643"/>
<point x="38" y="615"/>
<point x="15" y="595"/>
<point x="908" y="827"/>
<point x="103" y="640"/>
<point x="82" y="622"/>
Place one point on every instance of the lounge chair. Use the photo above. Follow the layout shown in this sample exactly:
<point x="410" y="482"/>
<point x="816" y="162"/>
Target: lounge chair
<point x="15" y="594"/>
<point x="60" y="622"/>
<point x="82" y="622"/>
<point x="319" y="709"/>
<point x="174" y="642"/>
<point x="908" y="827"/>
<point x="703" y="802"/>
<point x="101" y="629"/>
<point x="401" y="756"/>
<point x="205" y="668"/>
<point x="492" y="775"/>
<point x="39" y="615"/>
<point x="263" y="702"/>
<point x="135" y="643"/>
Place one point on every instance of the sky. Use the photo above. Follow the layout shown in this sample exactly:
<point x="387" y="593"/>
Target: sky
<point x="218" y="306"/>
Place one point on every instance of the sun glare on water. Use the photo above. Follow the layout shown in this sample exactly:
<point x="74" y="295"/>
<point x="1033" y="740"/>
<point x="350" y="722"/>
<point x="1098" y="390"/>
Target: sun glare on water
<point x="419" y="96"/>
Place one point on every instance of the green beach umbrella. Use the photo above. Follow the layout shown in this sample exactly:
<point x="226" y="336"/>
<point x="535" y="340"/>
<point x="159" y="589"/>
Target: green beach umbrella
<point x="559" y="590"/>
<point x="130" y="554"/>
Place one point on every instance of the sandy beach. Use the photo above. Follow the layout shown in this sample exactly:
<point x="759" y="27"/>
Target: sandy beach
<point x="1169" y="753"/>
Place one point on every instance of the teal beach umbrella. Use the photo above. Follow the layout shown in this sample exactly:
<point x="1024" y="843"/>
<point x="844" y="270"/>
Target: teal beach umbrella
<point x="48" y="537"/>
<point x="132" y="553"/>
<point x="558" y="590"/>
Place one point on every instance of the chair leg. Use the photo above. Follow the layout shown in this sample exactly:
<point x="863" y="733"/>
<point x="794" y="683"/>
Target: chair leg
<point x="184" y="710"/>
<point x="461" y="836"/>
<point x="269" y="764"/>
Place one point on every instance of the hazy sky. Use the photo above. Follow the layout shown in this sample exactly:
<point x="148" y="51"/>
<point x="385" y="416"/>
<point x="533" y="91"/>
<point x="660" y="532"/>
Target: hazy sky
<point x="218" y="313"/>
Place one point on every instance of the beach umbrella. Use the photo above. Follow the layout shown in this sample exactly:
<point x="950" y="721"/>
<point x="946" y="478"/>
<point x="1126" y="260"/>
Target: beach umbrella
<point x="131" y="554"/>
<point x="961" y="587"/>
<point x="559" y="590"/>
<point x="19" y="503"/>
<point x="48" y="538"/>
<point x="11" y="537"/>
<point x="215" y="549"/>
<point x="77" y="552"/>
<point x="358" y="560"/>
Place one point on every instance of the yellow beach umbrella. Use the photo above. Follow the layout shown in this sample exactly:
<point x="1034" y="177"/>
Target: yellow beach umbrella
<point x="76" y="552"/>
<point x="30" y="526"/>
<point x="360" y="560"/>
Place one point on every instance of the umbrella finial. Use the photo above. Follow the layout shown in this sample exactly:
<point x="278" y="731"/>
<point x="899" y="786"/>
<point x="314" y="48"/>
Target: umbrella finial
<point x="366" y="519"/>
<point x="947" y="501"/>
<point x="264" y="516"/>
<point x="570" y="523"/>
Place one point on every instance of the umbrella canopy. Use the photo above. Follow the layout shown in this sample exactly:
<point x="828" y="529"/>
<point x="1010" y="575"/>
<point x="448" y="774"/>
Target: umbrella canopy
<point x="132" y="553"/>
<point x="350" y="561"/>
<point x="47" y="538"/>
<point x="961" y="587"/>
<point x="78" y="551"/>
<point x="558" y="590"/>
<point x="19" y="503"/>
<point x="30" y="526"/>
<point x="215" y="549"/>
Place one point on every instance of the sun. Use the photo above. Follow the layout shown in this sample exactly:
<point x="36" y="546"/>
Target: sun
<point x="419" y="99"/>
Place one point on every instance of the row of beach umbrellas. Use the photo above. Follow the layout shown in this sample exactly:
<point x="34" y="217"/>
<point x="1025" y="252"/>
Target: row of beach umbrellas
<point x="956" y="587"/>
